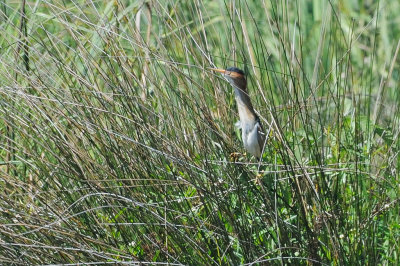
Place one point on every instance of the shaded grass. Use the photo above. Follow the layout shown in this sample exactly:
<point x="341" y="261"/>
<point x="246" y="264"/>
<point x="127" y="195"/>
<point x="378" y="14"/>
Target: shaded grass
<point x="117" y="139"/>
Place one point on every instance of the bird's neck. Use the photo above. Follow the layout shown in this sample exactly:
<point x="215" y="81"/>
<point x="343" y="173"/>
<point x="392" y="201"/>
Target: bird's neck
<point x="245" y="108"/>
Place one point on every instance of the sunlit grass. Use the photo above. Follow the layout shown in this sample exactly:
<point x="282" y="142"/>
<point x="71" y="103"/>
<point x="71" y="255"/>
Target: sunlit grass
<point x="118" y="142"/>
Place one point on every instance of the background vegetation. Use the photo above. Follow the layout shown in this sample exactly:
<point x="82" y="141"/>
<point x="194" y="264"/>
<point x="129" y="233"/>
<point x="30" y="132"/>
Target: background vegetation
<point x="118" y="143"/>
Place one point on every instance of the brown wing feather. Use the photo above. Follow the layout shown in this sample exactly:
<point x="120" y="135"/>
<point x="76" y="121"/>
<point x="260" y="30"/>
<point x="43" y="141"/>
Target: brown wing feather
<point x="260" y="136"/>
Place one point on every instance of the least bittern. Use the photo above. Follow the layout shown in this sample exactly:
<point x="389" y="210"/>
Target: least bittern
<point x="252" y="132"/>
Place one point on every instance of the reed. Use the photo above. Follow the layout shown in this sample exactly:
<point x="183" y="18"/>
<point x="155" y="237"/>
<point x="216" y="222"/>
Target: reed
<point x="118" y="142"/>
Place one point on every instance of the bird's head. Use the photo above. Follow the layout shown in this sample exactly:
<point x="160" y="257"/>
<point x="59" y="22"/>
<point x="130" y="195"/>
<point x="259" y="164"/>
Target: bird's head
<point x="234" y="75"/>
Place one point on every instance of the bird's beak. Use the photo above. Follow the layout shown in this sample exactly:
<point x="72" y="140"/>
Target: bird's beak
<point x="223" y="71"/>
<point x="227" y="73"/>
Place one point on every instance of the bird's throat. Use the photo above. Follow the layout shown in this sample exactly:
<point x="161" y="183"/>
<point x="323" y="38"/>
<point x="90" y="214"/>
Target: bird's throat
<point x="245" y="108"/>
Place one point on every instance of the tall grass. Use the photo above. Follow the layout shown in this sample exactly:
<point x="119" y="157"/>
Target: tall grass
<point x="119" y="146"/>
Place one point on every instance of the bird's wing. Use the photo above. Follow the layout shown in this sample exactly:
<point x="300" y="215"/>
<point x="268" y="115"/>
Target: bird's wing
<point x="261" y="136"/>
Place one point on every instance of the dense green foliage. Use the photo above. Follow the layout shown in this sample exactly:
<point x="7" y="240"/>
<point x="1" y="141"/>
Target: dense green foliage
<point x="118" y="143"/>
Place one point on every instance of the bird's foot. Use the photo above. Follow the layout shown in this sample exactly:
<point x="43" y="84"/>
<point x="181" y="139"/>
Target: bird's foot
<point x="235" y="156"/>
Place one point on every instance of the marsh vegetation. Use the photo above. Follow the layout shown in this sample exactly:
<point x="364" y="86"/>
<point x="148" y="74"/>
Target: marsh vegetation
<point x="118" y="143"/>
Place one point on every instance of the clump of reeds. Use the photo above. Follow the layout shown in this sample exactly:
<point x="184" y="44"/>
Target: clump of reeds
<point x="119" y="146"/>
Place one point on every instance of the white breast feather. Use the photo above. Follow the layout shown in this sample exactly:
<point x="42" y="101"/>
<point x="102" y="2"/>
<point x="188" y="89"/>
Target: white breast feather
<point x="251" y="142"/>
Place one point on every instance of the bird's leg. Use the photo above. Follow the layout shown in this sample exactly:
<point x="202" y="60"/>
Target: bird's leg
<point x="257" y="180"/>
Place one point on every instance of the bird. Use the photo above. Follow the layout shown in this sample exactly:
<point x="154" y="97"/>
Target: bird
<point x="253" y="136"/>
